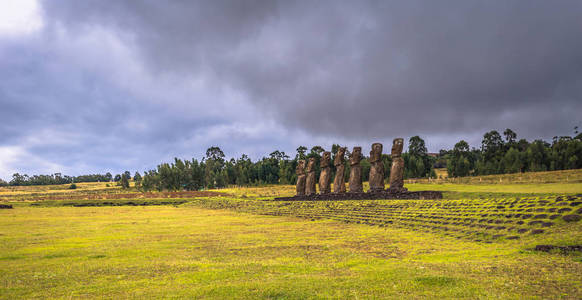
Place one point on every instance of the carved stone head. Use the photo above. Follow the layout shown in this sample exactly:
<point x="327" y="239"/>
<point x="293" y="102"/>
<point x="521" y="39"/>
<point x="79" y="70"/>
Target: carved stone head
<point x="339" y="156"/>
<point x="376" y="152"/>
<point x="397" y="145"/>
<point x="311" y="165"/>
<point x="300" y="169"/>
<point x="325" y="159"/>
<point x="356" y="156"/>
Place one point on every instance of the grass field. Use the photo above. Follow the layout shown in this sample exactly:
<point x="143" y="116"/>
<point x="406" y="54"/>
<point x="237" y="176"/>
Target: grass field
<point x="565" y="176"/>
<point x="239" y="243"/>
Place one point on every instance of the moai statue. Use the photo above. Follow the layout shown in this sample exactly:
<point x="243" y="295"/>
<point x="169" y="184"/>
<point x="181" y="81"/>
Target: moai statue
<point x="300" y="171"/>
<point x="310" y="180"/>
<point x="397" y="171"/>
<point x="325" y="175"/>
<point x="376" y="168"/>
<point x="339" y="183"/>
<point x="356" y="171"/>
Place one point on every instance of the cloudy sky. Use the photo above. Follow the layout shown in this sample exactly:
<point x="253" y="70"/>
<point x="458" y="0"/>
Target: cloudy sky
<point x="95" y="86"/>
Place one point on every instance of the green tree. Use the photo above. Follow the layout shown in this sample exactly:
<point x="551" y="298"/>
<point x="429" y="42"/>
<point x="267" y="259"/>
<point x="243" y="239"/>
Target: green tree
<point x="491" y="145"/>
<point x="512" y="161"/>
<point x="301" y="152"/>
<point x="536" y="156"/>
<point x="419" y="163"/>
<point x="137" y="179"/>
<point x="214" y="153"/>
<point x="214" y="166"/>
<point x="18" y="179"/>
<point x="510" y="136"/>
<point x="459" y="163"/>
<point x="151" y="181"/>
<point x="124" y="181"/>
<point x="278" y="155"/>
<point x="417" y="147"/>
<point x="493" y="151"/>
<point x="572" y="162"/>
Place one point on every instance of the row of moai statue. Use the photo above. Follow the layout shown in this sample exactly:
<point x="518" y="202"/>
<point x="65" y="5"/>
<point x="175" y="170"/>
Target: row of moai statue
<point x="306" y="176"/>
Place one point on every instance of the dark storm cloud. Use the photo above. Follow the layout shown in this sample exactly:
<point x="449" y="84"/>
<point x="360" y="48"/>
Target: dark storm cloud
<point x="128" y="84"/>
<point x="374" y="68"/>
<point x="68" y="108"/>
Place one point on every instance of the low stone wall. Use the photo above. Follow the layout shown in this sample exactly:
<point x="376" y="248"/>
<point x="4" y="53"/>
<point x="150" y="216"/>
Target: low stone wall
<point x="421" y="195"/>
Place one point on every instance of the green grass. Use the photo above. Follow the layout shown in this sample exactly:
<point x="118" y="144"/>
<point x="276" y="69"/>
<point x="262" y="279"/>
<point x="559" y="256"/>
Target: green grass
<point x="116" y="202"/>
<point x="460" y="191"/>
<point x="564" y="176"/>
<point x="240" y="246"/>
<point x="555" y="188"/>
<point x="187" y="252"/>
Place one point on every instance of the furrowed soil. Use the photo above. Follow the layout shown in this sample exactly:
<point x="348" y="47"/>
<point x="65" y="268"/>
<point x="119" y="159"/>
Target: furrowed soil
<point x="477" y="242"/>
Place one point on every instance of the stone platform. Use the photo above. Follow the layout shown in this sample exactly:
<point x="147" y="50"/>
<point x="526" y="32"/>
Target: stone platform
<point x="420" y="195"/>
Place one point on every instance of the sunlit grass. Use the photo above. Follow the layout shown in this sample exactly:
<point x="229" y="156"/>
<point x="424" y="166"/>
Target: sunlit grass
<point x="60" y="188"/>
<point x="505" y="188"/>
<point x="228" y="246"/>
<point x="153" y="252"/>
<point x="563" y="176"/>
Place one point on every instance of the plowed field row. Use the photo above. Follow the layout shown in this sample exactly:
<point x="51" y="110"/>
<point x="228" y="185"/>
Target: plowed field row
<point x="478" y="219"/>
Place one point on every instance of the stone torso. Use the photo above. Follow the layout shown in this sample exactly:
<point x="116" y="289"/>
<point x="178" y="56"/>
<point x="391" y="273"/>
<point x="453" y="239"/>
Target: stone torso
<point x="300" y="171"/>
<point x="325" y="175"/>
<point x="376" y="168"/>
<point x="397" y="170"/>
<point x="310" y="180"/>
<point x="339" y="183"/>
<point x="356" y="171"/>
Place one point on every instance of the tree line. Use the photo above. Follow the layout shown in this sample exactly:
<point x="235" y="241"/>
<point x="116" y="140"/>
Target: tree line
<point x="497" y="155"/>
<point x="505" y="154"/>
<point x="57" y="178"/>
